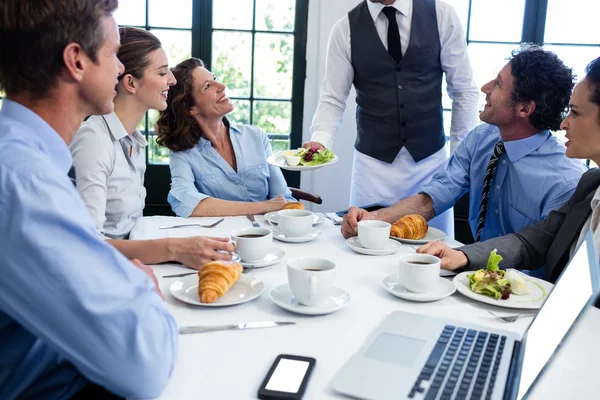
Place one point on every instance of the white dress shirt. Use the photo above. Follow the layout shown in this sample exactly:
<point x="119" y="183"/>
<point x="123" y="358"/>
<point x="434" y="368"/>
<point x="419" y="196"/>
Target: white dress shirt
<point x="374" y="180"/>
<point x="109" y="168"/>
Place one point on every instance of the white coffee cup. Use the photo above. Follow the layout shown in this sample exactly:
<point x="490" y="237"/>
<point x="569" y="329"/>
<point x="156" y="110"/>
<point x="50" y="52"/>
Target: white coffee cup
<point x="294" y="223"/>
<point x="419" y="273"/>
<point x="310" y="279"/>
<point x="252" y="244"/>
<point x="373" y="234"/>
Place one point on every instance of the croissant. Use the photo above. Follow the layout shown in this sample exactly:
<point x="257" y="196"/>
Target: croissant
<point x="412" y="226"/>
<point x="293" y="205"/>
<point x="216" y="278"/>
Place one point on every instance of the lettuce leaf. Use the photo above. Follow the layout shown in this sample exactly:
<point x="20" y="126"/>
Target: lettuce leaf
<point x="494" y="260"/>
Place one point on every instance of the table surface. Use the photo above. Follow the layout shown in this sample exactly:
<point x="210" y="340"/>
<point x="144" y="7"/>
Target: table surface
<point x="232" y="364"/>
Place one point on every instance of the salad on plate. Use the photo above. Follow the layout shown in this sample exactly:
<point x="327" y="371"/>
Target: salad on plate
<point x="307" y="157"/>
<point x="495" y="282"/>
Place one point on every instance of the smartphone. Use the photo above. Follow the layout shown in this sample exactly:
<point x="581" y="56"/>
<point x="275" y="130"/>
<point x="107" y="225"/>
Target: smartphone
<point x="287" y="377"/>
<point x="369" y="208"/>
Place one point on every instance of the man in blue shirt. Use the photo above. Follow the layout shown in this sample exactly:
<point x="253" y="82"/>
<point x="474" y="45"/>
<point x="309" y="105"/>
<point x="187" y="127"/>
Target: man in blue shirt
<point x="77" y="319"/>
<point x="530" y="174"/>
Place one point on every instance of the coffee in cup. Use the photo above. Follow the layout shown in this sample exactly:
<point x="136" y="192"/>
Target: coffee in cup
<point x="252" y="244"/>
<point x="419" y="273"/>
<point x="310" y="279"/>
<point x="373" y="234"/>
<point x="295" y="223"/>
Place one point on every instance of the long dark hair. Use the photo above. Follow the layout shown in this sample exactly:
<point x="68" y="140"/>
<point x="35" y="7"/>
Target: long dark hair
<point x="136" y="46"/>
<point x="175" y="128"/>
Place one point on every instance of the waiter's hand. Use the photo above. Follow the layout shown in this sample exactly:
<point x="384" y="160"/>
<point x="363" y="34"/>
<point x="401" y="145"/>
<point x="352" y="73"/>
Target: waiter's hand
<point x="350" y="223"/>
<point x="314" y="145"/>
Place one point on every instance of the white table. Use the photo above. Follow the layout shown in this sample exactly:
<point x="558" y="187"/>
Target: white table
<point x="232" y="364"/>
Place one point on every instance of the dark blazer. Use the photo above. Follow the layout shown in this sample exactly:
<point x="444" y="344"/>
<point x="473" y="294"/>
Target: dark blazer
<point x="546" y="243"/>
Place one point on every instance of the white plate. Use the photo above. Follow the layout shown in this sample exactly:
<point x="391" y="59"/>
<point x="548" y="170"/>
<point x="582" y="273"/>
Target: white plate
<point x="539" y="288"/>
<point x="282" y="296"/>
<point x="248" y="287"/>
<point x="312" y="235"/>
<point x="391" y="246"/>
<point x="275" y="255"/>
<point x="443" y="289"/>
<point x="277" y="160"/>
<point x="271" y="217"/>
<point x="432" y="234"/>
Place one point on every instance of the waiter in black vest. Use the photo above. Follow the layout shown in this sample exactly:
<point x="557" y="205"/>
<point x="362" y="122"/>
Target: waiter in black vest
<point x="395" y="53"/>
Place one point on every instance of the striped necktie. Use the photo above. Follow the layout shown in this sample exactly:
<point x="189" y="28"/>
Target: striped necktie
<point x="71" y="176"/>
<point x="489" y="175"/>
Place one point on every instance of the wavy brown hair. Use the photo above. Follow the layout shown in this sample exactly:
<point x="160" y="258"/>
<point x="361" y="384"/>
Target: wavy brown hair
<point x="175" y="128"/>
<point x="136" y="47"/>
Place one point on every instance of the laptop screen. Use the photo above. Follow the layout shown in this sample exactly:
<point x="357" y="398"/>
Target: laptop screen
<point x="568" y="298"/>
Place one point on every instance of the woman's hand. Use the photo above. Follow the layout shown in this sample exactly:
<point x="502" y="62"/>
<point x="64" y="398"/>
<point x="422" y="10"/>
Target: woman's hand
<point x="196" y="251"/>
<point x="274" y="204"/>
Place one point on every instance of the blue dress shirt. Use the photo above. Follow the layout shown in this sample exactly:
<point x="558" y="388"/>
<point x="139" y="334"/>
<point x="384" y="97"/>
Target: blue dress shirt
<point x="532" y="178"/>
<point x="201" y="172"/>
<point x="72" y="308"/>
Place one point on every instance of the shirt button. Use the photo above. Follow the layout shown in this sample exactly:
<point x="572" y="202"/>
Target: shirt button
<point x="399" y="87"/>
<point x="402" y="106"/>
<point x="403" y="123"/>
<point x="497" y="187"/>
<point x="404" y="140"/>
<point x="212" y="176"/>
<point x="398" y="69"/>
<point x="260" y="166"/>
<point x="503" y="161"/>
<point x="496" y="211"/>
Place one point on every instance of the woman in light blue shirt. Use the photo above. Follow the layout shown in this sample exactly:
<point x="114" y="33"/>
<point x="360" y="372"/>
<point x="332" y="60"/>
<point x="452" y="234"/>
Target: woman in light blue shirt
<point x="108" y="157"/>
<point x="217" y="167"/>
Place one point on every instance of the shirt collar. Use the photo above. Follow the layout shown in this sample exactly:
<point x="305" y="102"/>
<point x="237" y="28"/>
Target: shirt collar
<point x="401" y="5"/>
<point x="51" y="141"/>
<point x="115" y="125"/>
<point x="517" y="149"/>
<point x="233" y="128"/>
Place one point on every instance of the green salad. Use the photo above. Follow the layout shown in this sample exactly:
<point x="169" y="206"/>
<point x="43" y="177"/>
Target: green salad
<point x="309" y="157"/>
<point x="490" y="281"/>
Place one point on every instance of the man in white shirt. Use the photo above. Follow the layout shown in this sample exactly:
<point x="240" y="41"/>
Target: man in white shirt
<point x="397" y="71"/>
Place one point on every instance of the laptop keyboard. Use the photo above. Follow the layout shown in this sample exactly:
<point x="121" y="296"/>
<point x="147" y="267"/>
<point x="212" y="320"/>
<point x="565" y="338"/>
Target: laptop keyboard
<point x="462" y="365"/>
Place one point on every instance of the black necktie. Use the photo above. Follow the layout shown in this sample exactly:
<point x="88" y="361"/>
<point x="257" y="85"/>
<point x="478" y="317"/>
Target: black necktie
<point x="71" y="176"/>
<point x="393" y="34"/>
<point x="489" y="175"/>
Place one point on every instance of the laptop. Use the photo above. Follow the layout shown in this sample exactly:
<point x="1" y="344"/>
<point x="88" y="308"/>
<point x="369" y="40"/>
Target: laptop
<point x="420" y="357"/>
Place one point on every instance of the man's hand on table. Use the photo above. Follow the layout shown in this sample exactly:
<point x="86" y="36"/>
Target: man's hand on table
<point x="350" y="223"/>
<point x="450" y="259"/>
<point x="148" y="271"/>
<point x="196" y="251"/>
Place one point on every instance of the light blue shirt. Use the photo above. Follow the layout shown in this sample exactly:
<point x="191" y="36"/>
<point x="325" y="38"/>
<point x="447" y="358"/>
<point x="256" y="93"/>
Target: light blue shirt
<point x="532" y="178"/>
<point x="201" y="172"/>
<point x="72" y="308"/>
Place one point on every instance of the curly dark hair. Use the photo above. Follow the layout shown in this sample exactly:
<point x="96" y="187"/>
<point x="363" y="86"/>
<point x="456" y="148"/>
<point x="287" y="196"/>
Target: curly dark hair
<point x="175" y="129"/>
<point x="540" y="76"/>
<point x="592" y="75"/>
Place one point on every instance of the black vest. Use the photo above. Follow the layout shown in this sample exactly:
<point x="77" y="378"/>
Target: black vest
<point x="398" y="104"/>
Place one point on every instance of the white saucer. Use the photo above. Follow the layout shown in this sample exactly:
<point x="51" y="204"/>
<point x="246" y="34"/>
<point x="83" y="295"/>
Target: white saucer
<point x="443" y="289"/>
<point x="275" y="255"/>
<point x="312" y="235"/>
<point x="282" y="296"/>
<point x="271" y="218"/>
<point x="245" y="289"/>
<point x="432" y="234"/>
<point x="391" y="246"/>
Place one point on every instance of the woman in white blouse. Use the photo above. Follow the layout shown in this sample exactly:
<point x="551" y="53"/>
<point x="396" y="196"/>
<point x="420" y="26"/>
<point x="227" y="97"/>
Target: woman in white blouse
<point x="109" y="158"/>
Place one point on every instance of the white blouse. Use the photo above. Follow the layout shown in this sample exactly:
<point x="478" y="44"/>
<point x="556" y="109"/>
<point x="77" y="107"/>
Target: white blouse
<point x="109" y="168"/>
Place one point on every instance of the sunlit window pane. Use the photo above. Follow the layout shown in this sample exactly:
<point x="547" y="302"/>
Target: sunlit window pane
<point x="241" y="113"/>
<point x="177" y="44"/>
<point x="273" y="116"/>
<point x="497" y="20"/>
<point x="142" y="125"/>
<point x="273" y="65"/>
<point x="576" y="57"/>
<point x="171" y="13"/>
<point x="280" y="144"/>
<point x="131" y="12"/>
<point x="275" y="15"/>
<point x="487" y="60"/>
<point x="232" y="60"/>
<point x="156" y="153"/>
<point x="0" y="104"/>
<point x="232" y="14"/>
<point x="462" y="9"/>
<point x="572" y="21"/>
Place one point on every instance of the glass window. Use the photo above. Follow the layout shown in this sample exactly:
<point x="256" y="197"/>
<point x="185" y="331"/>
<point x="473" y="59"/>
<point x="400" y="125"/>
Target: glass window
<point x="576" y="57"/>
<point x="131" y="12"/>
<point x="572" y="21"/>
<point x="275" y="15"/>
<point x="496" y="20"/>
<point x="172" y="13"/>
<point x="487" y="60"/>
<point x="177" y="44"/>
<point x="273" y="116"/>
<point x="273" y="65"/>
<point x="241" y="112"/>
<point x="232" y="14"/>
<point x="232" y="60"/>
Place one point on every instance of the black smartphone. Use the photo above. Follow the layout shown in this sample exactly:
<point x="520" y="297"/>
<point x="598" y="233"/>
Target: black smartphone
<point x="369" y="208"/>
<point x="287" y="377"/>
